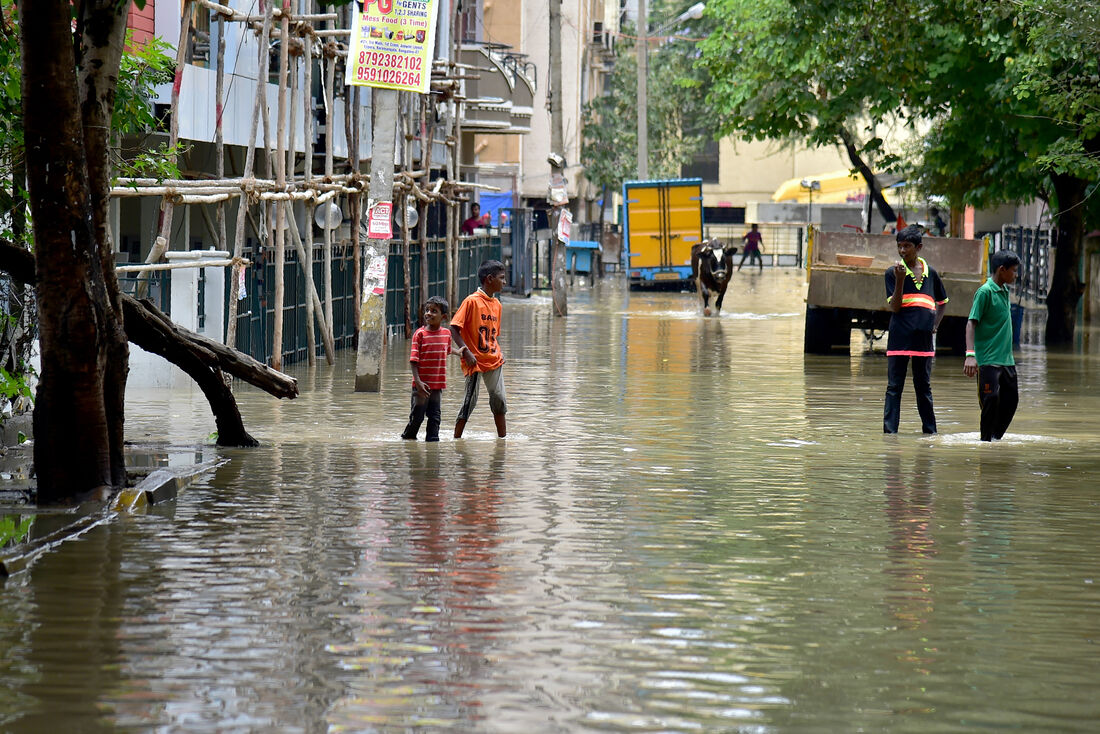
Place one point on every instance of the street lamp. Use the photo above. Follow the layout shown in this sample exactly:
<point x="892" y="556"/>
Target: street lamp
<point x="693" y="13"/>
<point x="811" y="187"/>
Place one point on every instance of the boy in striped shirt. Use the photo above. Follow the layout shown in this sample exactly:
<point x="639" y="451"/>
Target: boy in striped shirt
<point x="918" y="299"/>
<point x="428" y="359"/>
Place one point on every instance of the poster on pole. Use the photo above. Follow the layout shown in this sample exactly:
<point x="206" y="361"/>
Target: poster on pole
<point x="392" y="44"/>
<point x="378" y="221"/>
<point x="565" y="226"/>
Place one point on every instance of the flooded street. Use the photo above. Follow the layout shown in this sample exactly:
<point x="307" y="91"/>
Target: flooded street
<point x="691" y="527"/>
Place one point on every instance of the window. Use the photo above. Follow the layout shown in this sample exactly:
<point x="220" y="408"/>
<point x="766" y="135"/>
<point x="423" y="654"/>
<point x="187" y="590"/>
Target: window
<point x="704" y="163"/>
<point x="469" y="17"/>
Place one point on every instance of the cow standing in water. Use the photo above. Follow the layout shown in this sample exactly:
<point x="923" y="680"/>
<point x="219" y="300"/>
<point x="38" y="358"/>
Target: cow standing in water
<point x="711" y="266"/>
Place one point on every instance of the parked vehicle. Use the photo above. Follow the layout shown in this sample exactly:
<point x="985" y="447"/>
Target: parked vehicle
<point x="847" y="289"/>
<point x="662" y="220"/>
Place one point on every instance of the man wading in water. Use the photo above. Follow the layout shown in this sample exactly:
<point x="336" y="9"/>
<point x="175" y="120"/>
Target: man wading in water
<point x="917" y="299"/>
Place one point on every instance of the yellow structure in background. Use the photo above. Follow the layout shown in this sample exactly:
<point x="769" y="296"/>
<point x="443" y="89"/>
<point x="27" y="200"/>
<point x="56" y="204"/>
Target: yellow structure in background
<point x="837" y="187"/>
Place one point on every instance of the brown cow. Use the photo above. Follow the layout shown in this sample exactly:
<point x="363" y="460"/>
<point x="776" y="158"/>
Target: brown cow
<point x="711" y="266"/>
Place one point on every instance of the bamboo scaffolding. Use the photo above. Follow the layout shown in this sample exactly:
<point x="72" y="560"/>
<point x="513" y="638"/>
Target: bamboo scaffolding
<point x="330" y="82"/>
<point x="311" y="290"/>
<point x="406" y="242"/>
<point x="219" y="133"/>
<point x="280" y="182"/>
<point x="249" y="162"/>
<point x="425" y="131"/>
<point x="307" y="177"/>
<point x="164" y="235"/>
<point x="352" y="113"/>
<point x="236" y="15"/>
<point x="149" y="267"/>
<point x="452" y="215"/>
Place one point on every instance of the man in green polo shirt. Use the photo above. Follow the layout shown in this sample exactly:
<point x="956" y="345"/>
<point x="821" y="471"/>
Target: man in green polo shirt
<point x="989" y="347"/>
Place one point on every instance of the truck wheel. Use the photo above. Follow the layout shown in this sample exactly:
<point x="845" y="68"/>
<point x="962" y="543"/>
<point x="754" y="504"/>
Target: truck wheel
<point x="826" y="328"/>
<point x="952" y="335"/>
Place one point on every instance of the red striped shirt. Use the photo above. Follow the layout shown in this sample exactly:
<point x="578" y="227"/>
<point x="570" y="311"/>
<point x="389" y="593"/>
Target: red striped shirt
<point x="430" y="350"/>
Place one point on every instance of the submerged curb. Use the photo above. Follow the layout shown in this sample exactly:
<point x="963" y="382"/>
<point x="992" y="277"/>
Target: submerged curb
<point x="158" y="487"/>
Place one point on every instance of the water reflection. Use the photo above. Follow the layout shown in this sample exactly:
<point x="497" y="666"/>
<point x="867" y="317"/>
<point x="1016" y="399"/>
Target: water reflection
<point x="691" y="527"/>
<point x="912" y="547"/>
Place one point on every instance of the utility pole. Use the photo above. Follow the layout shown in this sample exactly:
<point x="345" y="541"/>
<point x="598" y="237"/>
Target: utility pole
<point x="380" y="72"/>
<point x="693" y="13"/>
<point x="643" y="92"/>
<point x="557" y="161"/>
<point x="372" y="311"/>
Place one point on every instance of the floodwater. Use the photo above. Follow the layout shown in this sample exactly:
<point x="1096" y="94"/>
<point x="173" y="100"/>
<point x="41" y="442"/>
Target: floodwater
<point x="690" y="528"/>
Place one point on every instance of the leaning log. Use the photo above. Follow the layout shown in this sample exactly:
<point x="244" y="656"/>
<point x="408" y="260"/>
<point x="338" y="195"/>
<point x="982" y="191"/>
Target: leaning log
<point x="203" y="359"/>
<point x="154" y="332"/>
<point x="213" y="354"/>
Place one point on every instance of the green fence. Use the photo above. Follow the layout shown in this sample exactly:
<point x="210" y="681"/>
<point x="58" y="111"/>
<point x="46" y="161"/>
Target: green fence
<point x="256" y="317"/>
<point x="472" y="251"/>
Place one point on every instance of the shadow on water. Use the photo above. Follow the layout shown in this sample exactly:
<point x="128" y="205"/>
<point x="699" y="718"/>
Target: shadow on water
<point x="691" y="527"/>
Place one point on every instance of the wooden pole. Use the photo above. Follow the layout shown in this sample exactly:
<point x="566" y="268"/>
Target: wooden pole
<point x="356" y="199"/>
<point x="450" y="245"/>
<point x="311" y="290"/>
<point x="249" y="163"/>
<point x="280" y="183"/>
<point x="406" y="241"/>
<point x="307" y="173"/>
<point x="305" y="253"/>
<point x="219" y="136"/>
<point x="330" y="80"/>
<point x="351" y="132"/>
<point x="425" y="165"/>
<point x="162" y="242"/>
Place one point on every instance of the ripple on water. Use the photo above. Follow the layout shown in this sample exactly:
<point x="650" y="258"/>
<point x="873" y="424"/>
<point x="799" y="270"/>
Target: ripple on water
<point x="691" y="527"/>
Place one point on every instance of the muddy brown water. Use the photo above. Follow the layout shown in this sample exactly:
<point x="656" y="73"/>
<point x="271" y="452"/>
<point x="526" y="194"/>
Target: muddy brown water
<point x="690" y="528"/>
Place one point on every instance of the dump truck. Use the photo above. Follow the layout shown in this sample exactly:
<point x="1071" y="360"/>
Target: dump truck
<point x="846" y="287"/>
<point x="662" y="219"/>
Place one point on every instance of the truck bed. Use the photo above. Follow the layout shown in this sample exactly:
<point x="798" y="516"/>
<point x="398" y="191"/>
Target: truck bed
<point x="960" y="263"/>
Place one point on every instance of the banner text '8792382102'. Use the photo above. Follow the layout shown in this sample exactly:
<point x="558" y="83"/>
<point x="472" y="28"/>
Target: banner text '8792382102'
<point x="392" y="44"/>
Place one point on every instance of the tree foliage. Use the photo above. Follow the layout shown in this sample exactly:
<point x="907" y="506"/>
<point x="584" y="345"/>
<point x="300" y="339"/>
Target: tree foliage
<point x="144" y="67"/>
<point x="1024" y="104"/>
<point x="13" y="193"/>
<point x="816" y="72"/>
<point x="676" y="113"/>
<point x="1001" y="95"/>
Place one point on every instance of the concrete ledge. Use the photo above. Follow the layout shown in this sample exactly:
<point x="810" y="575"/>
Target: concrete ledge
<point x="53" y="526"/>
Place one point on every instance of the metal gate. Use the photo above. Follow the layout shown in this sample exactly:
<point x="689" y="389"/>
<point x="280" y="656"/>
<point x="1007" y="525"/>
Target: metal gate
<point x="522" y="243"/>
<point x="1032" y="244"/>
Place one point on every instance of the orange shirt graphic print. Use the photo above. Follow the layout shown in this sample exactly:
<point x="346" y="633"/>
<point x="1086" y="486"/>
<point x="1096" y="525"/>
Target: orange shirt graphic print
<point x="478" y="320"/>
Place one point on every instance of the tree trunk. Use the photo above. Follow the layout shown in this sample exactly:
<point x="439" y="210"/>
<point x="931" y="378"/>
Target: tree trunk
<point x="1065" y="286"/>
<point x="884" y="207"/>
<point x="159" y="338"/>
<point x="72" y="447"/>
<point x="154" y="332"/>
<point x="104" y="30"/>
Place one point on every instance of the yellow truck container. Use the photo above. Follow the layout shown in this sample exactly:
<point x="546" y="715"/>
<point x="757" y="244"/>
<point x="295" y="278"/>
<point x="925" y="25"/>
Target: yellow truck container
<point x="847" y="287"/>
<point x="661" y="221"/>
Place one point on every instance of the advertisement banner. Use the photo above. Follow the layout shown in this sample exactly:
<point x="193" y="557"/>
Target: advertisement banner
<point x="378" y="223"/>
<point x="392" y="44"/>
<point x="565" y="226"/>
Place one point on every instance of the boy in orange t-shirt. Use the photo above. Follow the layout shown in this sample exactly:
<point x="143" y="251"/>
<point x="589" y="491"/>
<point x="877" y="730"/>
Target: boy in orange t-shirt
<point x="475" y="327"/>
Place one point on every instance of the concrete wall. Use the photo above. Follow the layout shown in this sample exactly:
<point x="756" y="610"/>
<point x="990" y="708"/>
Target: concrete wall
<point x="151" y="370"/>
<point x="751" y="171"/>
<point x="142" y="22"/>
